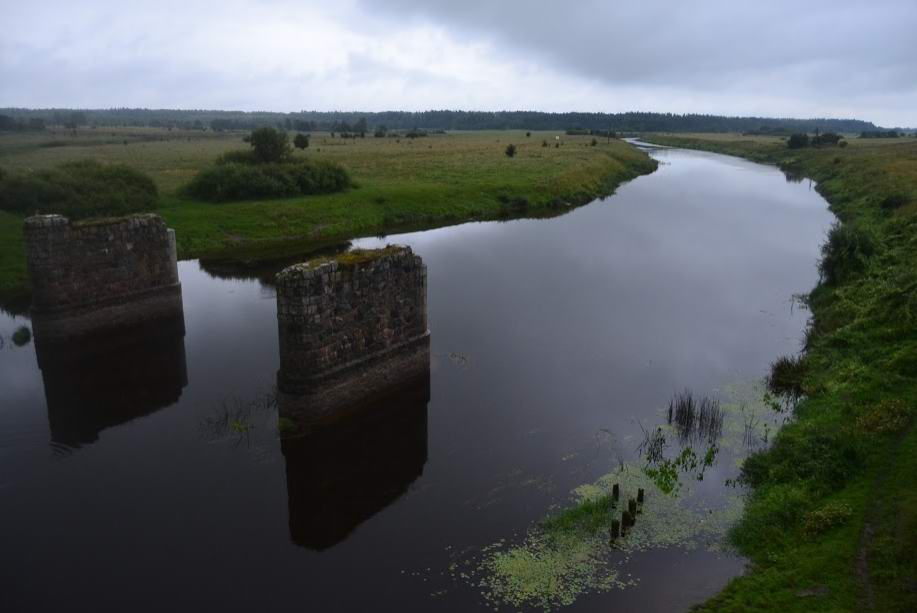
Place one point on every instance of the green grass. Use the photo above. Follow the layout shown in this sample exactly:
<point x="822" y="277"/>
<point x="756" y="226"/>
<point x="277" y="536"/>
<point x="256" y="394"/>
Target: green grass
<point x="400" y="184"/>
<point x="852" y="445"/>
<point x="14" y="279"/>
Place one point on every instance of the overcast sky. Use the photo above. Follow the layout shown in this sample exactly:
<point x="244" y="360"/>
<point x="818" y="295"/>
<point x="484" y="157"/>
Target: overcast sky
<point x="801" y="58"/>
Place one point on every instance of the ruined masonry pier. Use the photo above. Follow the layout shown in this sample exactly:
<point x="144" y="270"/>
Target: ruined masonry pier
<point x="105" y="274"/>
<point x="352" y="329"/>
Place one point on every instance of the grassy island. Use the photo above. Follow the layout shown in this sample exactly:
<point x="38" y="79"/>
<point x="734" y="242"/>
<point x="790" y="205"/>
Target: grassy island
<point x="399" y="183"/>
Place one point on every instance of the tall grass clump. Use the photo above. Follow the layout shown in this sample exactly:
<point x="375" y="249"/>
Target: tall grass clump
<point x="845" y="253"/>
<point x="79" y="190"/>
<point x="700" y="420"/>
<point x="786" y="376"/>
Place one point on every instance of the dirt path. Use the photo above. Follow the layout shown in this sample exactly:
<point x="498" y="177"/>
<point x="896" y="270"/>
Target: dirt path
<point x="873" y="511"/>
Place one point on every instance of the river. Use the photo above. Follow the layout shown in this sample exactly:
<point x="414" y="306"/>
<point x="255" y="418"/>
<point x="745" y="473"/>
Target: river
<point x="149" y="476"/>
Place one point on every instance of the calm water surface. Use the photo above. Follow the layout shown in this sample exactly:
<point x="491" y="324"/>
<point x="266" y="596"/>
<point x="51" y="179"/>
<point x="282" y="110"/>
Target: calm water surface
<point x="123" y="486"/>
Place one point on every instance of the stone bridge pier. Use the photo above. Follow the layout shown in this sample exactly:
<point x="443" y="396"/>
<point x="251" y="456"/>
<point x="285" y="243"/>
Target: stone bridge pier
<point x="352" y="329"/>
<point x="104" y="274"/>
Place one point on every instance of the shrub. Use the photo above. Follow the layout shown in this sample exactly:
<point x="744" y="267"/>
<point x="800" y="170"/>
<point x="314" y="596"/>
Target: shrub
<point x="510" y="205"/>
<point x="510" y="150"/>
<point x="770" y="514"/>
<point x="230" y="181"/>
<point x="528" y="134"/>
<point x="269" y="144"/>
<point x="823" y="519"/>
<point x="301" y="141"/>
<point x="594" y="142"/>
<point x="842" y="144"/>
<point x="826" y="459"/>
<point x="798" y="141"/>
<point x="893" y="201"/>
<point x="828" y="138"/>
<point x="845" y="253"/>
<point x="886" y="417"/>
<point x="79" y="190"/>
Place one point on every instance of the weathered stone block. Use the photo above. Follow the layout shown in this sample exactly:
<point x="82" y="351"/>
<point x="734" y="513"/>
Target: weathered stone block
<point x="351" y="329"/>
<point x="100" y="274"/>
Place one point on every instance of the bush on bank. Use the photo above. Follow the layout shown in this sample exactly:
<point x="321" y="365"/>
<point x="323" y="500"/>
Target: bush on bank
<point x="79" y="190"/>
<point x="267" y="170"/>
<point x="232" y="179"/>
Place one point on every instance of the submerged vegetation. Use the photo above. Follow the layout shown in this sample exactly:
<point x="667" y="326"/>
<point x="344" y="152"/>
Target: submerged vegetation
<point x="576" y="550"/>
<point x="22" y="336"/>
<point x="571" y="552"/>
<point x="696" y="420"/>
<point x="831" y="522"/>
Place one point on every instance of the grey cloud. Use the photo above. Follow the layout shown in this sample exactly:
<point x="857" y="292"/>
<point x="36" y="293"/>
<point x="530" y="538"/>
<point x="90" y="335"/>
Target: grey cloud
<point x="814" y="49"/>
<point x="806" y="57"/>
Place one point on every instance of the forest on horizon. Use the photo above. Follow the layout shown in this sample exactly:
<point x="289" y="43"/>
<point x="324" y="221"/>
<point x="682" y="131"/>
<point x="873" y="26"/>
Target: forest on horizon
<point x="23" y="118"/>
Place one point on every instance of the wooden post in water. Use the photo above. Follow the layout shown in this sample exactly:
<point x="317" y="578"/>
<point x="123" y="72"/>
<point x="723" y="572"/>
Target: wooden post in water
<point x="640" y="499"/>
<point x="615" y="494"/>
<point x="632" y="507"/>
<point x="615" y="529"/>
<point x="625" y="522"/>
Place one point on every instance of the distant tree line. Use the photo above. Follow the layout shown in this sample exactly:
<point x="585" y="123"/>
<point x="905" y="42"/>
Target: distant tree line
<point x="10" y="124"/>
<point x="360" y="122"/>
<point x="880" y="134"/>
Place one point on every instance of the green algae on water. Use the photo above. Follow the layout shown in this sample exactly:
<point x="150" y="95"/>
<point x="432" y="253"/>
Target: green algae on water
<point x="568" y="554"/>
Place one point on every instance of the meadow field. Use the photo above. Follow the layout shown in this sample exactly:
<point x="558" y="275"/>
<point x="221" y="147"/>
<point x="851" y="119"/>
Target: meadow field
<point x="399" y="183"/>
<point x="833" y="501"/>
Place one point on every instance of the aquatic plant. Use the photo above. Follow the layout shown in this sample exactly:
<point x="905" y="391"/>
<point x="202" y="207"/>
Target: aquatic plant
<point x="231" y="417"/>
<point x="653" y="446"/>
<point x="22" y="336"/>
<point x="665" y="472"/>
<point x="695" y="420"/>
<point x="240" y="426"/>
<point x="285" y="426"/>
<point x="567" y="554"/>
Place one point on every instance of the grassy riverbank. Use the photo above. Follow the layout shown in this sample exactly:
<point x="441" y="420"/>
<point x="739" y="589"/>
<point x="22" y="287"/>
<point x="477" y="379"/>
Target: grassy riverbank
<point x="831" y="524"/>
<point x="401" y="183"/>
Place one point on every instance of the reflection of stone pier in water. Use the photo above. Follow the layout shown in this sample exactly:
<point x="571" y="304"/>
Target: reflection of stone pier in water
<point x="341" y="474"/>
<point x="109" y="377"/>
<point x="352" y="329"/>
<point x="92" y="275"/>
